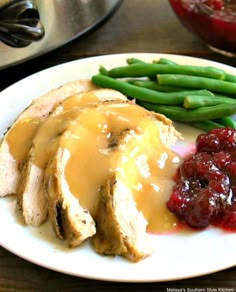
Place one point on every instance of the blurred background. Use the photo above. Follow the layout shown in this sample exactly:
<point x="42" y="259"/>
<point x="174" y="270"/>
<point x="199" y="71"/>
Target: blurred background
<point x="129" y="26"/>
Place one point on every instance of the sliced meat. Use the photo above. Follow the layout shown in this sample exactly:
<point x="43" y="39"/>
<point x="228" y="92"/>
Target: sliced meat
<point x="121" y="225"/>
<point x="83" y="181"/>
<point x="32" y="200"/>
<point x="70" y="220"/>
<point x="121" y="228"/>
<point x="168" y="134"/>
<point x="94" y="148"/>
<point x="41" y="107"/>
<point x="31" y="193"/>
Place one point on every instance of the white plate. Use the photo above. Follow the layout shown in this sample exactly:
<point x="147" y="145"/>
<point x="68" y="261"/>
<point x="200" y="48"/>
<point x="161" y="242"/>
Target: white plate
<point x="176" y="256"/>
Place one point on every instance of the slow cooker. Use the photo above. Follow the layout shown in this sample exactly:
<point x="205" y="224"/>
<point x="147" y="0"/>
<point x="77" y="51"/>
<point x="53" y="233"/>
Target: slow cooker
<point x="29" y="28"/>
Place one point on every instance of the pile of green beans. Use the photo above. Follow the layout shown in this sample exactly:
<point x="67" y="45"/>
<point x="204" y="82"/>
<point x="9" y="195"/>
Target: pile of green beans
<point x="204" y="97"/>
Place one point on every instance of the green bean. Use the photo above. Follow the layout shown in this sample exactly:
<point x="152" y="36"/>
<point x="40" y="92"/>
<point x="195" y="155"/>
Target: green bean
<point x="230" y="77"/>
<point x="131" y="61"/>
<point x="206" y="125"/>
<point x="195" y="101"/>
<point x="142" y="93"/>
<point x="151" y="84"/>
<point x="181" y="114"/>
<point x="151" y="70"/>
<point x="177" y="80"/>
<point x="103" y="70"/>
<point x="164" y="61"/>
<point x="227" y="122"/>
<point x="160" y="61"/>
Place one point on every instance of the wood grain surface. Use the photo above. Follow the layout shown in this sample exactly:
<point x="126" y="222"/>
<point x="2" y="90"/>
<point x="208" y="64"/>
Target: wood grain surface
<point x="137" y="26"/>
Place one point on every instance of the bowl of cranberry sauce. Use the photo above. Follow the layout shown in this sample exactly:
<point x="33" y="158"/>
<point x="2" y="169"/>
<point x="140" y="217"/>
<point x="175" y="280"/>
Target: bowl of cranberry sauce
<point x="213" y="21"/>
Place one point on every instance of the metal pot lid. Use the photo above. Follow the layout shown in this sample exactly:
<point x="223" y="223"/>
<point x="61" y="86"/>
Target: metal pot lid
<point x="29" y="28"/>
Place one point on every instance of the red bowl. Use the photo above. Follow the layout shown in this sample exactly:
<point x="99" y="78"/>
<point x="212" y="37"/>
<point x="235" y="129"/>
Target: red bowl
<point x="213" y="21"/>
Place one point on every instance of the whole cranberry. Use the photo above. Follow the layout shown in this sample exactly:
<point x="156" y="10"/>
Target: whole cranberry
<point x="216" y="140"/>
<point x="229" y="217"/>
<point x="201" y="210"/>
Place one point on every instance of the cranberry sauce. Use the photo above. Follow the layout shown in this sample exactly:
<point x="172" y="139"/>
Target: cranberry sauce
<point x="205" y="189"/>
<point x="214" y="21"/>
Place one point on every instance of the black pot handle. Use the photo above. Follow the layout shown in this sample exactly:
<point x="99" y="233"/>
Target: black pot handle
<point x="20" y="23"/>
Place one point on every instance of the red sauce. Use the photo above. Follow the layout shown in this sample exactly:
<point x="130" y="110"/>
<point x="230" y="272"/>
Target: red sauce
<point x="205" y="189"/>
<point x="214" y="21"/>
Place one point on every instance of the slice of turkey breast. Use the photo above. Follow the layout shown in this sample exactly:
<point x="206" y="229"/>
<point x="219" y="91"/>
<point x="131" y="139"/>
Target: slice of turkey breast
<point x="31" y="192"/>
<point x="121" y="227"/>
<point x="10" y="167"/>
<point x="69" y="219"/>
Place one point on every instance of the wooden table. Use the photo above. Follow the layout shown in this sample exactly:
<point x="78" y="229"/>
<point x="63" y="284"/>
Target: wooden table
<point x="137" y="26"/>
